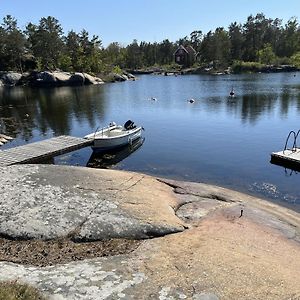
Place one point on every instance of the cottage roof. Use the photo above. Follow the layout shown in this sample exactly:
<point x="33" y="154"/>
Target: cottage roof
<point x="181" y="47"/>
<point x="190" y="49"/>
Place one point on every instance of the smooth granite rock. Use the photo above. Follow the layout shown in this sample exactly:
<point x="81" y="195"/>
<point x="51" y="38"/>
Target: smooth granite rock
<point x="89" y="79"/>
<point x="11" y="78"/>
<point x="46" y="202"/>
<point x="60" y="78"/>
<point x="224" y="244"/>
<point x="77" y="79"/>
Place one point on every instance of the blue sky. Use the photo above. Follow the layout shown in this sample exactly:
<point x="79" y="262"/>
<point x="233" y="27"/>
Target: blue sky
<point x="145" y="20"/>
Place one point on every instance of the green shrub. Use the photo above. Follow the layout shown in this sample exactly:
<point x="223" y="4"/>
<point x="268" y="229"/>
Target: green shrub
<point x="117" y="70"/>
<point x="266" y="55"/>
<point x="65" y="63"/>
<point x="248" y="66"/>
<point x="296" y="59"/>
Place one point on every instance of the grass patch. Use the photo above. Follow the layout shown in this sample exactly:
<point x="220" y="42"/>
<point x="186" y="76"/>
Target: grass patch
<point x="13" y="290"/>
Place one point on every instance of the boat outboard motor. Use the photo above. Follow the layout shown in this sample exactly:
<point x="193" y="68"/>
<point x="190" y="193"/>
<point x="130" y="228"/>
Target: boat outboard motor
<point x="129" y="125"/>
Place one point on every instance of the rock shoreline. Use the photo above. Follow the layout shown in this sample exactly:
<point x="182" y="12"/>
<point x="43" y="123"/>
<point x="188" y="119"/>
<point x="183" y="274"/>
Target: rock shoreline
<point x="57" y="78"/>
<point x="188" y="240"/>
<point x="213" y="71"/>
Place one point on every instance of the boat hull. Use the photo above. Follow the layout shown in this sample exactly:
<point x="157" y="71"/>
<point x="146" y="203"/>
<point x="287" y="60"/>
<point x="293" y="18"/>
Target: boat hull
<point x="108" y="143"/>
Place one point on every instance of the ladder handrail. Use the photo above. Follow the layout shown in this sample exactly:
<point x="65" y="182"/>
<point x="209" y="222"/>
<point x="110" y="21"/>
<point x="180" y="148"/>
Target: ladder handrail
<point x="295" y="140"/>
<point x="288" y="137"/>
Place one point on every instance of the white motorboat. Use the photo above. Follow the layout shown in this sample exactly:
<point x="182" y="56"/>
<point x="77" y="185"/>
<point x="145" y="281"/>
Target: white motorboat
<point x="114" y="136"/>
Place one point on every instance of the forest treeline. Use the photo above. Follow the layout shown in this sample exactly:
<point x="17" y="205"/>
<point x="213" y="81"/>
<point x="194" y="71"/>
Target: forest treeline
<point x="44" y="46"/>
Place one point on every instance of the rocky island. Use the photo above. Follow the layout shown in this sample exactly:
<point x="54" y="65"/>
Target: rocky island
<point x="58" y="78"/>
<point x="80" y="233"/>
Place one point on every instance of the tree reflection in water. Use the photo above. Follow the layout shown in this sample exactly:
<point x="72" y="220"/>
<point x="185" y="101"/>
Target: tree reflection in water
<point x="23" y="110"/>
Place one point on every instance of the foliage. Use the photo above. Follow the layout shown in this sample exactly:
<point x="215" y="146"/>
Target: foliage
<point x="284" y="61"/>
<point x="41" y="46"/>
<point x="117" y="70"/>
<point x="295" y="59"/>
<point x="12" y="44"/>
<point x="17" y="291"/>
<point x="45" y="41"/>
<point x="236" y="38"/>
<point x="266" y="55"/>
<point x="65" y="63"/>
<point x="241" y="66"/>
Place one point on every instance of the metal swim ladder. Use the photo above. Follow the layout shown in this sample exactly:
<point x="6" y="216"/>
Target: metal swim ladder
<point x="295" y="135"/>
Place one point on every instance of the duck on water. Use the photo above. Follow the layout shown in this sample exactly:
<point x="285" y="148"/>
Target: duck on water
<point x="232" y="93"/>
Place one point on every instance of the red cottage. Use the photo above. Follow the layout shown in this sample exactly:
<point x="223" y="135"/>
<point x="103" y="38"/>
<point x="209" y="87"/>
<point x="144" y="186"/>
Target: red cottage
<point x="185" y="56"/>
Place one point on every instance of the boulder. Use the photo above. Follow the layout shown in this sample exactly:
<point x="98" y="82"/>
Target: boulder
<point x="46" y="78"/>
<point x="56" y="78"/>
<point x="118" y="77"/>
<point x="125" y="76"/>
<point x="77" y="79"/>
<point x="11" y="78"/>
<point x="130" y="76"/>
<point x="62" y="78"/>
<point x="59" y="78"/>
<point x="89" y="79"/>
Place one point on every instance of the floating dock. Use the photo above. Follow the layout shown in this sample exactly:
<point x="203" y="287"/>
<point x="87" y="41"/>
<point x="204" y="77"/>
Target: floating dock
<point x="288" y="158"/>
<point x="42" y="150"/>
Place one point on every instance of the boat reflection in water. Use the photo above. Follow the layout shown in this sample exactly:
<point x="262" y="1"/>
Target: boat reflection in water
<point x="109" y="158"/>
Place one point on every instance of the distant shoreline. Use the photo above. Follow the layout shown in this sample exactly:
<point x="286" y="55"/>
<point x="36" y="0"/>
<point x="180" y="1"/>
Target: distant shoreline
<point x="212" y="71"/>
<point x="60" y="78"/>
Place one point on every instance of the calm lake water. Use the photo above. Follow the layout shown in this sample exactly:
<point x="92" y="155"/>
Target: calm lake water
<point x="216" y="140"/>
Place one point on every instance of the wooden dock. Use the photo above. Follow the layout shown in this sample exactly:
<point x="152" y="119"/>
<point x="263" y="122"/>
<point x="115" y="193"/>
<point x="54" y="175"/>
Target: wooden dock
<point x="43" y="150"/>
<point x="287" y="157"/>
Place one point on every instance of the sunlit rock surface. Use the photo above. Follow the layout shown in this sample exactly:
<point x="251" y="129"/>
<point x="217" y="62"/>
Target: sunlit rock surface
<point x="46" y="202"/>
<point x="10" y="78"/>
<point x="200" y="241"/>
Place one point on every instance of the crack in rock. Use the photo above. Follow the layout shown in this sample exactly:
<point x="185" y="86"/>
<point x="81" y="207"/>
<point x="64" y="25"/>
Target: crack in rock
<point x="178" y="189"/>
<point x="194" y="205"/>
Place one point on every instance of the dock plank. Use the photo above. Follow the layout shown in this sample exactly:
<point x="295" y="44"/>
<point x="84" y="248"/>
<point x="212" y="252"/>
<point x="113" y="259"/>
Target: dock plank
<point x="36" y="151"/>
